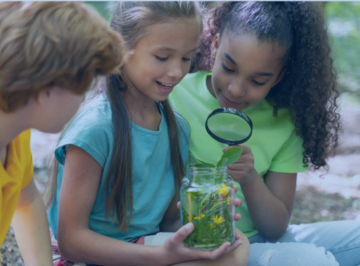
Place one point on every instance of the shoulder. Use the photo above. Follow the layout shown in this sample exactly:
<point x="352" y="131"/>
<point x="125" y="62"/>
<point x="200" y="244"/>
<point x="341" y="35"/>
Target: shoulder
<point x="96" y="110"/>
<point x="22" y="145"/>
<point x="266" y="125"/>
<point x="91" y="129"/>
<point x="263" y="114"/>
<point x="24" y="156"/>
<point x="23" y="137"/>
<point x="93" y="115"/>
<point x="279" y="125"/>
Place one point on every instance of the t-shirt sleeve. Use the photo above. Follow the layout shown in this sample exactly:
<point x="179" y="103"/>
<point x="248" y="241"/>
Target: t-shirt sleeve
<point x="289" y="158"/>
<point x="91" y="136"/>
<point x="27" y="160"/>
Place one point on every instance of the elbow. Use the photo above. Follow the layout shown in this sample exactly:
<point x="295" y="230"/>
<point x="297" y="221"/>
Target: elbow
<point x="273" y="237"/>
<point x="68" y="248"/>
<point x="274" y="233"/>
<point x="277" y="228"/>
<point x="65" y="250"/>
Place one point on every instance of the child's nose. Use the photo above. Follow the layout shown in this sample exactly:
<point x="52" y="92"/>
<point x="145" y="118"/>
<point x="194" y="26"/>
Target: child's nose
<point x="237" y="89"/>
<point x="176" y="71"/>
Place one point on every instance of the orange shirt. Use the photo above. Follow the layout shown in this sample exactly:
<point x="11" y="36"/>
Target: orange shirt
<point x="15" y="176"/>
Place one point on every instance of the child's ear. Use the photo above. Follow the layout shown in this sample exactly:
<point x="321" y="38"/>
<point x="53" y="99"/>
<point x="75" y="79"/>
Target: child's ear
<point x="127" y="55"/>
<point x="215" y="45"/>
<point x="43" y="96"/>
<point x="128" y="52"/>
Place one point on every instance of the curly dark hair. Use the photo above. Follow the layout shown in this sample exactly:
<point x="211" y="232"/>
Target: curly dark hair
<point x="308" y="90"/>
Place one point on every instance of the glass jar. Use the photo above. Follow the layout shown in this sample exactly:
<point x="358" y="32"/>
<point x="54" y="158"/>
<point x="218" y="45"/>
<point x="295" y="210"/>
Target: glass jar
<point x="206" y="197"/>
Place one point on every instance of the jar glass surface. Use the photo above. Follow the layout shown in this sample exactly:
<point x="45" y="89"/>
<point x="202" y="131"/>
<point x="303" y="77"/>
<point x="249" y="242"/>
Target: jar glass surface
<point x="207" y="197"/>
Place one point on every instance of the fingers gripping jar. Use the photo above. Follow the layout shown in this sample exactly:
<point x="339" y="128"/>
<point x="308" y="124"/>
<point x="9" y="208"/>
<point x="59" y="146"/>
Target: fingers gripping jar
<point x="206" y="197"/>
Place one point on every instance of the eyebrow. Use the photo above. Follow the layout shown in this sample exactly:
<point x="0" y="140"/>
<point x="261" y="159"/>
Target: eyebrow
<point x="170" y="49"/>
<point x="230" y="58"/>
<point x="165" y="48"/>
<point x="264" y="74"/>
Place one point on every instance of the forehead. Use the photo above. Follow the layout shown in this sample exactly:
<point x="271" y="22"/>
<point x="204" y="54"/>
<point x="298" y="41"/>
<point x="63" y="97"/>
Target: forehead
<point x="247" y="49"/>
<point x="173" y="34"/>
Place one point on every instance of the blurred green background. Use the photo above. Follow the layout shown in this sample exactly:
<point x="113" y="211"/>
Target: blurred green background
<point x="343" y="20"/>
<point x="104" y="8"/>
<point x="334" y="196"/>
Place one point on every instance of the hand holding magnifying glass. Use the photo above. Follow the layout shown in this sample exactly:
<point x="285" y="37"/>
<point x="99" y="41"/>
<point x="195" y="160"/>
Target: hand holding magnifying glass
<point x="233" y="127"/>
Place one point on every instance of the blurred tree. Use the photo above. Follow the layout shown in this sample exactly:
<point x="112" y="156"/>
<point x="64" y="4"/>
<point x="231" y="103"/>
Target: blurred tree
<point x="104" y="8"/>
<point x="322" y="6"/>
<point x="344" y="24"/>
<point x="344" y="27"/>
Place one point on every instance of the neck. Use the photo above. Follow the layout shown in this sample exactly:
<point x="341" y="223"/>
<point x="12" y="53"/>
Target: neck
<point x="143" y="111"/>
<point x="139" y="104"/>
<point x="11" y="125"/>
<point x="210" y="86"/>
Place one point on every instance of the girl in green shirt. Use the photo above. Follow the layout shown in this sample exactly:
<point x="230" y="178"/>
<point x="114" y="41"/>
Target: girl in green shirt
<point x="272" y="61"/>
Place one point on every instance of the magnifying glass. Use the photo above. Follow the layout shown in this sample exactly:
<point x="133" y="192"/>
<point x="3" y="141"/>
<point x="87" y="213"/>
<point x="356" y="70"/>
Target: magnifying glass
<point x="229" y="126"/>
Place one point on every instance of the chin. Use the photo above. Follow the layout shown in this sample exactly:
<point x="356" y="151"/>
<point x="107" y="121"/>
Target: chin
<point x="51" y="129"/>
<point x="161" y="99"/>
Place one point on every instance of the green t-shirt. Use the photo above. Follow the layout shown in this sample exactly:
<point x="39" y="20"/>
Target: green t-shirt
<point x="274" y="143"/>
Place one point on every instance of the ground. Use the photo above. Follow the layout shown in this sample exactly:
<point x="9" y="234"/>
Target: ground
<point x="320" y="196"/>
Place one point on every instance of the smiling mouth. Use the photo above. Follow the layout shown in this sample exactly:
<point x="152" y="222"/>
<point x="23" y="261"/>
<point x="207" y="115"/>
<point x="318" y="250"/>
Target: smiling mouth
<point x="228" y="101"/>
<point x="166" y="85"/>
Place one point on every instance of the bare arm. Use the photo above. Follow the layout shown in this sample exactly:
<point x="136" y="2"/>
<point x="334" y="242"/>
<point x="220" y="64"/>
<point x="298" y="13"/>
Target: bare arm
<point x="31" y="228"/>
<point x="270" y="203"/>
<point x="77" y="242"/>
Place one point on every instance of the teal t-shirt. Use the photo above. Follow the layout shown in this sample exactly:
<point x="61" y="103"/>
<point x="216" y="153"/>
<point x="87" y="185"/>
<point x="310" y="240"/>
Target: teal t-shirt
<point x="152" y="174"/>
<point x="274" y="143"/>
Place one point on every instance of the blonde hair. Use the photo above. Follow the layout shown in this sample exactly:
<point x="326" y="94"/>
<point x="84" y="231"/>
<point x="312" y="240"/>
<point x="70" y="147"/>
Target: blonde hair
<point x="47" y="44"/>
<point x="132" y="20"/>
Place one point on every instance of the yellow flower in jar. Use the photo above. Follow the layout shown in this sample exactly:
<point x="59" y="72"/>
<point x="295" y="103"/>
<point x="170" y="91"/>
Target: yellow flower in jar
<point x="199" y="217"/>
<point x="224" y="190"/>
<point x="217" y="219"/>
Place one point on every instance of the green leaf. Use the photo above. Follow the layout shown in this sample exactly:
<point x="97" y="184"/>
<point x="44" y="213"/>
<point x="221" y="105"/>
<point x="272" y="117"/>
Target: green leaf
<point x="188" y="204"/>
<point x="203" y="164"/>
<point x="230" y="156"/>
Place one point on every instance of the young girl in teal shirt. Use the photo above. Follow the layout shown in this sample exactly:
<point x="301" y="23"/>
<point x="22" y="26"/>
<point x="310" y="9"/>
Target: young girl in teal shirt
<point x="271" y="60"/>
<point x="121" y="160"/>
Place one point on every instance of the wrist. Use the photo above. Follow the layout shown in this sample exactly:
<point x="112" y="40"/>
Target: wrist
<point x="159" y="256"/>
<point x="249" y="180"/>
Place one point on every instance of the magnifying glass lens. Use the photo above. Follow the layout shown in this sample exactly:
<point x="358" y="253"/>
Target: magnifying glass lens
<point x="229" y="126"/>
